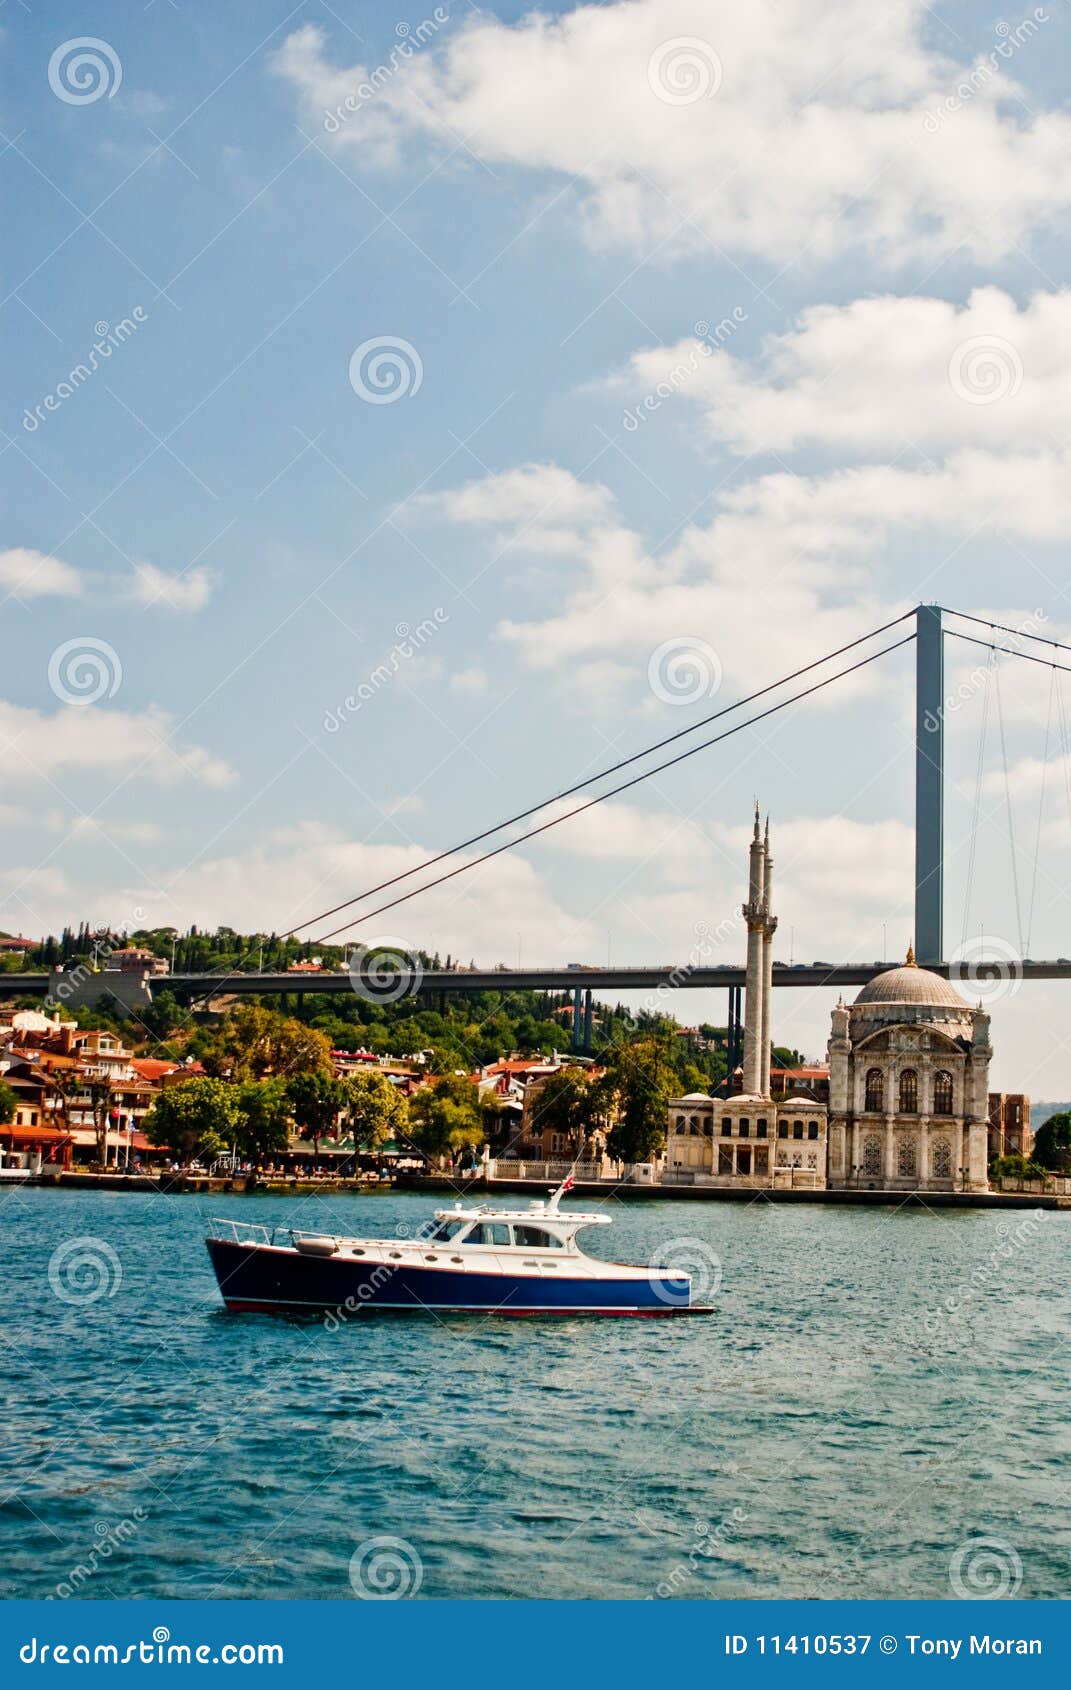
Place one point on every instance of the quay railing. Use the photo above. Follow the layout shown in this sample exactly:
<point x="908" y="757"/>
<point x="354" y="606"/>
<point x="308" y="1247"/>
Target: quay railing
<point x="553" y="1172"/>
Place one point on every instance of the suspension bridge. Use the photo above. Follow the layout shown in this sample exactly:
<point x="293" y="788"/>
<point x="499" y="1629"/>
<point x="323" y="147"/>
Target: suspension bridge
<point x="928" y="627"/>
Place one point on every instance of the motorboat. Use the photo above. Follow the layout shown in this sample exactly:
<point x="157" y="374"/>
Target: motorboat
<point x="479" y="1259"/>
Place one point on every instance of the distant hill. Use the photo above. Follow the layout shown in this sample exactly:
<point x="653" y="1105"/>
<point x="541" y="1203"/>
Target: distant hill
<point x="1041" y="1112"/>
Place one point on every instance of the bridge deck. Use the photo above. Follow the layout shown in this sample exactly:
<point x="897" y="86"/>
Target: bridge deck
<point x="670" y="977"/>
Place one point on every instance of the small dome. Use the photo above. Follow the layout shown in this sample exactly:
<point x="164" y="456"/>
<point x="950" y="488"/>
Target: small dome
<point x="695" y="1097"/>
<point x="911" y="984"/>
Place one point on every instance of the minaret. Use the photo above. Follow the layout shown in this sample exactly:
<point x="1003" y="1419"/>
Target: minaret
<point x="754" y="914"/>
<point x="768" y="930"/>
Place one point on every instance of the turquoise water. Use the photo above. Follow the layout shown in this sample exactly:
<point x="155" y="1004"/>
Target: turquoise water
<point x="834" y="1430"/>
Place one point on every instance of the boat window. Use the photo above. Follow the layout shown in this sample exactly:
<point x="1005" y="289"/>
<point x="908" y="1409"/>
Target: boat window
<point x="534" y="1238"/>
<point x="490" y="1232"/>
<point x="448" y="1230"/>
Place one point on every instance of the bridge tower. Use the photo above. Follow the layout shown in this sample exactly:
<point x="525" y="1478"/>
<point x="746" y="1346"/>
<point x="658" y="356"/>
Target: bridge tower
<point x="929" y="784"/>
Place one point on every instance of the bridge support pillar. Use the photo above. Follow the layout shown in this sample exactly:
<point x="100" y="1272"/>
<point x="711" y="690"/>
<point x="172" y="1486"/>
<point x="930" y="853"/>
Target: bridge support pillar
<point x="577" y="1023"/>
<point x="735" y="1050"/>
<point x="929" y="784"/>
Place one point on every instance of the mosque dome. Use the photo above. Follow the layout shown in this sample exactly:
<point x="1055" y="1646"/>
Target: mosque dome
<point x="912" y="984"/>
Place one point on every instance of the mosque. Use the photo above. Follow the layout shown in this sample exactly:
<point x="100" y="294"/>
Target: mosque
<point x="909" y="1100"/>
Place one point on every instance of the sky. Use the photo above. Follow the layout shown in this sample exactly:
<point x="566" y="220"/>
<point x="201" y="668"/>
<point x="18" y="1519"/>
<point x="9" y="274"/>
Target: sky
<point x="408" y="415"/>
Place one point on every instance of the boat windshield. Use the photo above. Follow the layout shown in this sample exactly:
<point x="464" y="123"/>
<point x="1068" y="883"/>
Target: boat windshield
<point x="446" y="1231"/>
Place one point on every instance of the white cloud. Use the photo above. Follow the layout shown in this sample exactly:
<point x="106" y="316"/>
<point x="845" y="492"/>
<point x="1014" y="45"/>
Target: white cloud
<point x="31" y="574"/>
<point x="185" y="591"/>
<point x="469" y="683"/>
<point x="853" y="91"/>
<point x="880" y="374"/>
<point x="544" y="494"/>
<point x="94" y="740"/>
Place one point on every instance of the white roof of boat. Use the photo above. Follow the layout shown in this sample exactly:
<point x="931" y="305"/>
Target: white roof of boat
<point x="535" y="1211"/>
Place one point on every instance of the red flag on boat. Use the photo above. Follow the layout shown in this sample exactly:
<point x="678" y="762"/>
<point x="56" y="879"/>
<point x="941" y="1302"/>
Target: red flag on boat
<point x="566" y="1185"/>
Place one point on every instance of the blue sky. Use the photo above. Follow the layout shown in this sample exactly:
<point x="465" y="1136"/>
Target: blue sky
<point x="554" y="214"/>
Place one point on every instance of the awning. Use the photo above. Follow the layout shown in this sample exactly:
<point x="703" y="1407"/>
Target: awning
<point x="35" y="1135"/>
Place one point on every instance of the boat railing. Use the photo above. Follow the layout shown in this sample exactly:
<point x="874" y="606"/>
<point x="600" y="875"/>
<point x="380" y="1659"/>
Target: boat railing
<point x="242" y="1232"/>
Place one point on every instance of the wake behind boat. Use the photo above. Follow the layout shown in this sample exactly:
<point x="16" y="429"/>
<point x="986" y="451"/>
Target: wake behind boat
<point x="483" y="1259"/>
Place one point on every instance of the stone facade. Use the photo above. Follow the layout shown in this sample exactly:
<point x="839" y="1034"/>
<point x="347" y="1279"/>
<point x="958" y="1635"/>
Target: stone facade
<point x="746" y="1141"/>
<point x="909" y="1087"/>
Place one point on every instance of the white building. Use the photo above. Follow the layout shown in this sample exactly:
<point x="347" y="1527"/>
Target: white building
<point x="909" y="1086"/>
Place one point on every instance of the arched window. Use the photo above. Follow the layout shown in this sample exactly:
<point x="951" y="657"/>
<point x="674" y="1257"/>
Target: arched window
<point x="872" y="1156"/>
<point x="942" y="1159"/>
<point x="907" y="1158"/>
<point x="909" y="1093"/>
<point x="942" y="1093"/>
<point x="727" y="1127"/>
<point x="693" y="1125"/>
<point x="679" y="1127"/>
<point x="708" y="1129"/>
<point x="875" y="1090"/>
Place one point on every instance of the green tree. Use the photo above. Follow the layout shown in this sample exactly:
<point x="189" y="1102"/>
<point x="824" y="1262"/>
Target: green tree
<point x="9" y="1099"/>
<point x="1052" y="1144"/>
<point x="264" y="1117"/>
<point x="256" y="1041"/>
<point x="1015" y="1167"/>
<point x="195" y="1116"/>
<point x="635" y="1092"/>
<point x="375" y="1110"/>
<point x="315" y="1098"/>
<point x="447" y="1116"/>
<point x="161" y="1017"/>
<point x="566" y="1102"/>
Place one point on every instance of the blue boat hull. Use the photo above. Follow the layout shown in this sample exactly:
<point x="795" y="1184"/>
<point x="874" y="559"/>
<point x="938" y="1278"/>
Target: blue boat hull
<point x="262" y="1280"/>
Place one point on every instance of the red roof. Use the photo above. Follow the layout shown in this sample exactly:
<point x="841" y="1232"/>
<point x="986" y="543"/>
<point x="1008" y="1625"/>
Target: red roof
<point x="152" y="1068"/>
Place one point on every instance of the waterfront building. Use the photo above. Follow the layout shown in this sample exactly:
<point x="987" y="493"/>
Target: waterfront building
<point x="809" y="1080"/>
<point x="1009" y="1125"/>
<point x="909" y="1086"/>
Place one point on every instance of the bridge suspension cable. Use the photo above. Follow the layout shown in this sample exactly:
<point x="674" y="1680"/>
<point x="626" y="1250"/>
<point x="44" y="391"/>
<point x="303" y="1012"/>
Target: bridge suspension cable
<point x="986" y="622"/>
<point x="1010" y="651"/>
<point x="614" y="791"/>
<point x="603" y="774"/>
